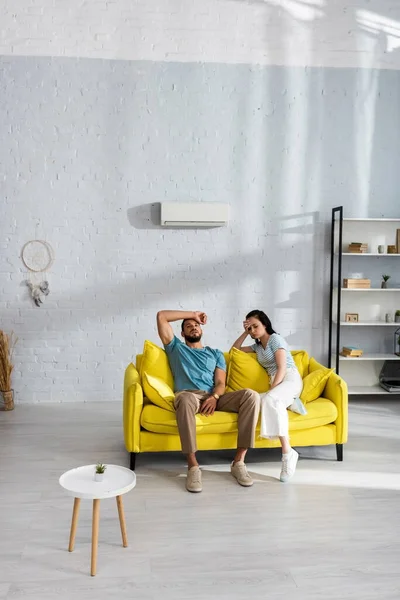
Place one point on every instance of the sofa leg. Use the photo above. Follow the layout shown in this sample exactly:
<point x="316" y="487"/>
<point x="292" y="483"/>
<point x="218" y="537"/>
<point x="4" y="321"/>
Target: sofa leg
<point x="339" y="452"/>
<point x="132" y="461"/>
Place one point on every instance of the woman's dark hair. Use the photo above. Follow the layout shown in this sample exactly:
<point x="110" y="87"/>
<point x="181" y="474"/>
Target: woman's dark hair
<point x="262" y="317"/>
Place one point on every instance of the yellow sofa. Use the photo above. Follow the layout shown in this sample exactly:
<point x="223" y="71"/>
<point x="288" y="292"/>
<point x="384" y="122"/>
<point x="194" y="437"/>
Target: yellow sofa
<point x="150" y="428"/>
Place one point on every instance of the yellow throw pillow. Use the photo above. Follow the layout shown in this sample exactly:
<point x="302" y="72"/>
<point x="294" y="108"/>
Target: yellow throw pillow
<point x="158" y="392"/>
<point x="301" y="361"/>
<point x="314" y="384"/>
<point x="314" y="366"/>
<point x="155" y="363"/>
<point x="245" y="372"/>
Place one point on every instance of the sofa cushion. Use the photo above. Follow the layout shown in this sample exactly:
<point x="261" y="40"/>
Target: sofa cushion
<point x="301" y="360"/>
<point x="245" y="372"/>
<point x="160" y="420"/>
<point x="320" y="412"/>
<point x="314" y="366"/>
<point x="314" y="384"/>
<point x="155" y="363"/>
<point x="159" y="392"/>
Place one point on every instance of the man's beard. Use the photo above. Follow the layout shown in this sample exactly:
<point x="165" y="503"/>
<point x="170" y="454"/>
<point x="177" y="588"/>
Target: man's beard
<point x="192" y="339"/>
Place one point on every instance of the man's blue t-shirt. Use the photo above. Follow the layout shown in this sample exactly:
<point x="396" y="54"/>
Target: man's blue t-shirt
<point x="193" y="368"/>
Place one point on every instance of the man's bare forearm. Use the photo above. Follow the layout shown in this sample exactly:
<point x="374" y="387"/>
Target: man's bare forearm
<point x="176" y="315"/>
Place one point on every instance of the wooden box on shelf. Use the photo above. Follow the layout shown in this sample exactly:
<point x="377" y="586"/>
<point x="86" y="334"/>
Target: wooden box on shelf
<point x="357" y="284"/>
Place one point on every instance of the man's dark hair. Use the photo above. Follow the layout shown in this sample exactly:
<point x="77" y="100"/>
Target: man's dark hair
<point x="183" y="323"/>
<point x="262" y="317"/>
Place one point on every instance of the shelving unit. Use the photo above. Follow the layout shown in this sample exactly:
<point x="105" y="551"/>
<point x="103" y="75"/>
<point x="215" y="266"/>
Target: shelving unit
<point x="371" y="333"/>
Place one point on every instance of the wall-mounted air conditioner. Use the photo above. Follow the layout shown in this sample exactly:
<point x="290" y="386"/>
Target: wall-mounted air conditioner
<point x="194" y="214"/>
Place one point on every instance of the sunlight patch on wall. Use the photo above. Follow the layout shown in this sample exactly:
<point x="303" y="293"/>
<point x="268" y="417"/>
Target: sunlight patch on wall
<point x="380" y="26"/>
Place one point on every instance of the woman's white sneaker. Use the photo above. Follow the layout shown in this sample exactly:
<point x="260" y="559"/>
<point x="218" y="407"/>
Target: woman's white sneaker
<point x="289" y="463"/>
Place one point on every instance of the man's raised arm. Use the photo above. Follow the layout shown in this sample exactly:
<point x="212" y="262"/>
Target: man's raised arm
<point x="165" y="317"/>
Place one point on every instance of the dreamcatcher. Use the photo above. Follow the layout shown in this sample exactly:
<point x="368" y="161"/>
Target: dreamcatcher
<point x="37" y="256"/>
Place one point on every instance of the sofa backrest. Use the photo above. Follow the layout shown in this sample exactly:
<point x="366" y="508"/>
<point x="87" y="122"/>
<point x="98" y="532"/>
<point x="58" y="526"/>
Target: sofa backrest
<point x="299" y="355"/>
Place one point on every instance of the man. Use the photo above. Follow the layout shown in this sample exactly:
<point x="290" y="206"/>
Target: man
<point x="200" y="378"/>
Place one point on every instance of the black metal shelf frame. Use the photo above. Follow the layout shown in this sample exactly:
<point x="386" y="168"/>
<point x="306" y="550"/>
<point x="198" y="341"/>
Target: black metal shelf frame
<point x="336" y="235"/>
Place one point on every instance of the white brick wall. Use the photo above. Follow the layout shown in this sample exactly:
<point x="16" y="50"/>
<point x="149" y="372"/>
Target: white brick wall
<point x="82" y="175"/>
<point x="336" y="33"/>
<point x="83" y="155"/>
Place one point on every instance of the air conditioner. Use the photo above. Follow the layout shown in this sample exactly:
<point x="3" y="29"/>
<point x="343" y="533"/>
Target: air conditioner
<point x="194" y="214"/>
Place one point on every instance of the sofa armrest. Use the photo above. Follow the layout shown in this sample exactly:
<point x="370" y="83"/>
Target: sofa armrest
<point x="132" y="408"/>
<point x="336" y="391"/>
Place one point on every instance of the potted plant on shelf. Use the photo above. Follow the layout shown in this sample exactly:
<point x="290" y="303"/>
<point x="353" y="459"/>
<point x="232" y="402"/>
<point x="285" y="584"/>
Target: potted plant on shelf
<point x="397" y="316"/>
<point x="385" y="280"/>
<point x="7" y="346"/>
<point x="99" y="472"/>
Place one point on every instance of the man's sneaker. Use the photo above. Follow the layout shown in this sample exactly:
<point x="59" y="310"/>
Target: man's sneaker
<point x="239" y="472"/>
<point x="193" y="480"/>
<point x="289" y="462"/>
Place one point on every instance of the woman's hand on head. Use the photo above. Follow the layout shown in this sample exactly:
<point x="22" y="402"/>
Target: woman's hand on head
<point x="246" y="326"/>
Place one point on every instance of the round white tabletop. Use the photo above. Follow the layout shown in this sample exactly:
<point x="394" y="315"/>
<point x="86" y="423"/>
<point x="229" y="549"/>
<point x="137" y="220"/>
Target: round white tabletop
<point x="80" y="482"/>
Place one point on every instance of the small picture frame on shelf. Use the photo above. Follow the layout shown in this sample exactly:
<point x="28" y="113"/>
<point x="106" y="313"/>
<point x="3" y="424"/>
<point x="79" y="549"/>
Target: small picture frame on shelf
<point x="351" y="317"/>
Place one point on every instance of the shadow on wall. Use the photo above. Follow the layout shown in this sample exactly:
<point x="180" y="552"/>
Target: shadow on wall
<point x="145" y="216"/>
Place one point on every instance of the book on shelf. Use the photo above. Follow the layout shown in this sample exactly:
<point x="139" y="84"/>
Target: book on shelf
<point x="358" y="248"/>
<point x="363" y="284"/>
<point x="351" y="351"/>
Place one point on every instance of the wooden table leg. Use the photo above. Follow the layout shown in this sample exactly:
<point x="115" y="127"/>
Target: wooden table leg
<point x="74" y="524"/>
<point x="95" y="535"/>
<point x="122" y="523"/>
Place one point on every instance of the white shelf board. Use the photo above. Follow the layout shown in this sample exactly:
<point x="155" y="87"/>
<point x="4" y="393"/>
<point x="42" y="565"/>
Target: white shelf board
<point x="369" y="324"/>
<point x="370" y="289"/>
<point x="369" y="254"/>
<point x="367" y="356"/>
<point x="369" y="390"/>
<point x="369" y="220"/>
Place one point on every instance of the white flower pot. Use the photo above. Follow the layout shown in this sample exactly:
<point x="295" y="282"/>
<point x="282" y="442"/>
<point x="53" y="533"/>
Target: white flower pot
<point x="98" y="476"/>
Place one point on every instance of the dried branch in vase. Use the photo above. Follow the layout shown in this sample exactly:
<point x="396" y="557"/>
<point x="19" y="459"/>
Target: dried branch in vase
<point x="7" y="347"/>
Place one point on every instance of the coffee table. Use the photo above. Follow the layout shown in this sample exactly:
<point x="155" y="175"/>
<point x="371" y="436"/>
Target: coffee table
<point x="80" y="483"/>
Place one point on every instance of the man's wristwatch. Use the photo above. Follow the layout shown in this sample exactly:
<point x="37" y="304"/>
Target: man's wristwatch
<point x="215" y="396"/>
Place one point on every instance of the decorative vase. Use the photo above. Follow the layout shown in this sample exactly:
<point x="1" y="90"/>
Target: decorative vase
<point x="397" y="318"/>
<point x="384" y="285"/>
<point x="8" y="398"/>
<point x="98" y="476"/>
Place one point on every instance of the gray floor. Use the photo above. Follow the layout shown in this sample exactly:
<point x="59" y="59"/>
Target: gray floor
<point x="333" y="532"/>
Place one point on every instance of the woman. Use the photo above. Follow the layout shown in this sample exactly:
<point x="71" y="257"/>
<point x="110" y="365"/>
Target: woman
<point x="286" y="384"/>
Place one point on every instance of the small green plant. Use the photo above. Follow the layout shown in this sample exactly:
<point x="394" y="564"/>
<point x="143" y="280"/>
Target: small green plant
<point x="100" y="468"/>
<point x="397" y="313"/>
<point x="386" y="277"/>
